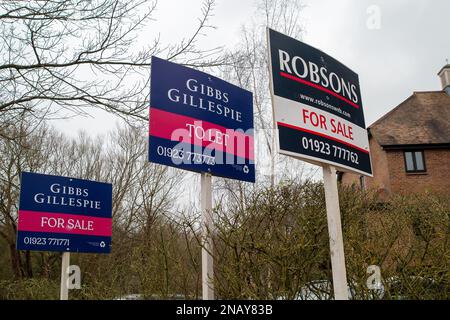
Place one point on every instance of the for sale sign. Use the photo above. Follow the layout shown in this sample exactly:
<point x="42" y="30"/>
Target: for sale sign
<point x="317" y="106"/>
<point x="64" y="214"/>
<point x="200" y="123"/>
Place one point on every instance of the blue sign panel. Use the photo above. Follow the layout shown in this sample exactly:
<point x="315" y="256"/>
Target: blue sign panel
<point x="200" y="123"/>
<point x="64" y="214"/>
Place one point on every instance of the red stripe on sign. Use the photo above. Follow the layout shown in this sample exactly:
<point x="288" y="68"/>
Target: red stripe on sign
<point x="291" y="77"/>
<point x="37" y="221"/>
<point x="176" y="127"/>
<point x="322" y="135"/>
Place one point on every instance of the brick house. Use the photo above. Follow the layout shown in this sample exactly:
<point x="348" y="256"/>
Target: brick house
<point x="410" y="146"/>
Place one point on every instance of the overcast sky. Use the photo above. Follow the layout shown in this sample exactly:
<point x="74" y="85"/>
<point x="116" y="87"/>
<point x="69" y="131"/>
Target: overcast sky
<point x="403" y="55"/>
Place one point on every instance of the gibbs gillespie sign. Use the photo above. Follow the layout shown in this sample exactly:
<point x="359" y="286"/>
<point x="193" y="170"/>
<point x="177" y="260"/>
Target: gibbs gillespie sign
<point x="317" y="106"/>
<point x="64" y="214"/>
<point x="200" y="123"/>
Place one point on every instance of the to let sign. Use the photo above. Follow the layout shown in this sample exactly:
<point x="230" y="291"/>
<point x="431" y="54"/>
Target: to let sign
<point x="200" y="123"/>
<point x="64" y="214"/>
<point x="317" y="106"/>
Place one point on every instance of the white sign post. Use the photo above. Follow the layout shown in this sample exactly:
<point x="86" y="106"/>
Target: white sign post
<point x="335" y="233"/>
<point x="207" y="231"/>
<point x="64" y="293"/>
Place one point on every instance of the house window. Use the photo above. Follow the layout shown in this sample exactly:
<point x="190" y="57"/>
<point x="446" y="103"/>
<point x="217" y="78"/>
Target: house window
<point x="415" y="161"/>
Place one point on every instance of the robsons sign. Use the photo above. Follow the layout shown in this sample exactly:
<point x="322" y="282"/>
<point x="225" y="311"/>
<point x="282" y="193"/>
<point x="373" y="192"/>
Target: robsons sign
<point x="317" y="106"/>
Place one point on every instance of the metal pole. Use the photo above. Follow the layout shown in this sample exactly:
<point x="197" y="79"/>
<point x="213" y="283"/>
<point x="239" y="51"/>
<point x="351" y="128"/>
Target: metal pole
<point x="335" y="234"/>
<point x="207" y="229"/>
<point x="64" y="294"/>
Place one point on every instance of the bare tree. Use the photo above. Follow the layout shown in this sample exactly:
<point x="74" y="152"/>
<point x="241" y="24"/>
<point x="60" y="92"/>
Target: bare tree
<point x="142" y="192"/>
<point x="248" y="67"/>
<point x="16" y="156"/>
<point x="59" y="57"/>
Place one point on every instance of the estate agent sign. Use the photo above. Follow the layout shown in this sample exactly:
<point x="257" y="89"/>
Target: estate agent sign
<point x="200" y="123"/>
<point x="64" y="214"/>
<point x="317" y="106"/>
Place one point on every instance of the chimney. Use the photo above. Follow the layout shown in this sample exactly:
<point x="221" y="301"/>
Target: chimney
<point x="444" y="74"/>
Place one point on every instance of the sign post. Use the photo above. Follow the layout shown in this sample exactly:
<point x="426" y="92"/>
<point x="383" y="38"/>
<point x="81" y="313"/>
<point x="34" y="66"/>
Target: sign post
<point x="203" y="124"/>
<point x="207" y="233"/>
<point x="64" y="295"/>
<point x="318" y="111"/>
<point x="65" y="215"/>
<point x="335" y="233"/>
